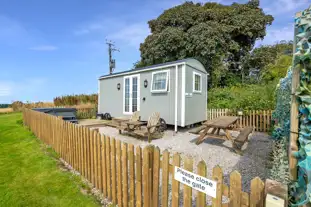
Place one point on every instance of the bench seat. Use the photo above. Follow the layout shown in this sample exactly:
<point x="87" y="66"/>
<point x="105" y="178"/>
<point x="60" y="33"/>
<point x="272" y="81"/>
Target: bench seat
<point x="242" y="137"/>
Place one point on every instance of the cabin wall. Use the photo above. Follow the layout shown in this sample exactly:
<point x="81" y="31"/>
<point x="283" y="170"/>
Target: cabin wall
<point x="164" y="103"/>
<point x="110" y="98"/>
<point x="195" y="103"/>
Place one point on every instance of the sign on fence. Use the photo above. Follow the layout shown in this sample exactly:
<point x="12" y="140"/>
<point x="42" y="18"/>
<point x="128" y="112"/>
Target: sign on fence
<point x="195" y="181"/>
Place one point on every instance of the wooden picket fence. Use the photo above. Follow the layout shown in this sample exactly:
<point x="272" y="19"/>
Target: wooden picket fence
<point x="132" y="176"/>
<point x="259" y="119"/>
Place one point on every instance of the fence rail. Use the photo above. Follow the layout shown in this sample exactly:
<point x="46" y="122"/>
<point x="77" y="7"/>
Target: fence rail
<point x="132" y="176"/>
<point x="259" y="119"/>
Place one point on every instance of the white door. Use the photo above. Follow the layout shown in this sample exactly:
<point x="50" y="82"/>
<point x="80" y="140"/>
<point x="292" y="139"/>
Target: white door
<point x="131" y="94"/>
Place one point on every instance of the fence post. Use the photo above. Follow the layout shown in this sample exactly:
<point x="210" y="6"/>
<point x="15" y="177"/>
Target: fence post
<point x="254" y="120"/>
<point x="165" y="178"/>
<point x="156" y="176"/>
<point x="235" y="189"/>
<point x="201" y="197"/>
<point x="150" y="175"/>
<point x="119" y="175"/>
<point x="108" y="167"/>
<point x="125" y="174"/>
<point x="113" y="171"/>
<point x="131" y="174"/>
<point x="218" y="177"/>
<point x="138" y="177"/>
<point x="146" y="177"/>
<point x="257" y="193"/>
<point x="175" y="183"/>
<point x="95" y="159"/>
<point x="188" y="162"/>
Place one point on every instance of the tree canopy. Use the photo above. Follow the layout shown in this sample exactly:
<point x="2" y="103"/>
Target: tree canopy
<point x="268" y="59"/>
<point x="217" y="35"/>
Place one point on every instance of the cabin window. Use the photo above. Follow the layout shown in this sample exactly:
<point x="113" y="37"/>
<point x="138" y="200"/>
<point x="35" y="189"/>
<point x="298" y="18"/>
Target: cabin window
<point x="160" y="81"/>
<point x="197" y="82"/>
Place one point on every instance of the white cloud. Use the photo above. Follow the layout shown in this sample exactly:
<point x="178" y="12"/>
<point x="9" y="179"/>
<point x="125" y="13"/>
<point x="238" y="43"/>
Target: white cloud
<point x="133" y="34"/>
<point x="98" y="25"/>
<point x="5" y="88"/>
<point x="274" y="35"/>
<point x="16" y="90"/>
<point x="44" y="48"/>
<point x="81" y="32"/>
<point x="285" y="6"/>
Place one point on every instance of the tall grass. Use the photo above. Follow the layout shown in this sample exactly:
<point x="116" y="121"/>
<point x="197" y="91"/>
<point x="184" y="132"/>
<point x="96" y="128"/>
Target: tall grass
<point x="18" y="105"/>
<point x="73" y="100"/>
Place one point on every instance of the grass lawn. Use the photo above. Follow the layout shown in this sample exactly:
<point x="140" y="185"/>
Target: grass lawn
<point x="29" y="175"/>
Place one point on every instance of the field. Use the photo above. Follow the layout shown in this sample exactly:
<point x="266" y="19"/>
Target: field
<point x="30" y="174"/>
<point x="6" y="110"/>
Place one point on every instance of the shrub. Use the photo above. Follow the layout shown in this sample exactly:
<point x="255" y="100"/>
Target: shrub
<point x="86" y="113"/>
<point x="18" y="105"/>
<point x="280" y="167"/>
<point x="2" y="106"/>
<point x="246" y="97"/>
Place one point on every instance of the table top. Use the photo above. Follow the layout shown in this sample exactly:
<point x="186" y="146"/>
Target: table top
<point x="120" y="119"/>
<point x="136" y="123"/>
<point x="222" y="122"/>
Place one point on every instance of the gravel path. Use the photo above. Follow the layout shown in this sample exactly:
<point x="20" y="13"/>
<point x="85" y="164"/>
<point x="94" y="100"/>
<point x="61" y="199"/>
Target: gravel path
<point x="213" y="152"/>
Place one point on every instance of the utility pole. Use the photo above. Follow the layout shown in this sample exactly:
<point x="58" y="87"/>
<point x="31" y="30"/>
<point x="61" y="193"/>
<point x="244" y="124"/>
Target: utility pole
<point x="112" y="62"/>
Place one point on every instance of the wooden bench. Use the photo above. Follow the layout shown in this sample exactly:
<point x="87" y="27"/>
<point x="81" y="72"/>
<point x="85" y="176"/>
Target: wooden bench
<point x="112" y="124"/>
<point x="123" y="125"/>
<point x="151" y="128"/>
<point x="242" y="138"/>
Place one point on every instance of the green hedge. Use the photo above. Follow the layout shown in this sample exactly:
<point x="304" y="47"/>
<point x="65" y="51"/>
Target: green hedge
<point x="246" y="97"/>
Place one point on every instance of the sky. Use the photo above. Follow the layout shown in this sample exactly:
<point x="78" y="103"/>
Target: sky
<point x="50" y="48"/>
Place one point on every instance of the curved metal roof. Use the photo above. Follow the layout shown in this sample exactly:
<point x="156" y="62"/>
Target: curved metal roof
<point x="189" y="61"/>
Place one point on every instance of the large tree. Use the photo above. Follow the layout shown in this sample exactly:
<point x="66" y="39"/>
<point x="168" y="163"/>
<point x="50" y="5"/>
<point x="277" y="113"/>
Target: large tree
<point x="217" y="35"/>
<point x="267" y="59"/>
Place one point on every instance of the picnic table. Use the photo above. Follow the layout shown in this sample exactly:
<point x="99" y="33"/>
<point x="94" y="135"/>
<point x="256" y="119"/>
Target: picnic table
<point x="131" y="125"/>
<point x="118" y="122"/>
<point x="225" y="123"/>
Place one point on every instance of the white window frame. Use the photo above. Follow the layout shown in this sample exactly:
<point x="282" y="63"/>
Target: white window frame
<point x="194" y="74"/>
<point x="167" y="82"/>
